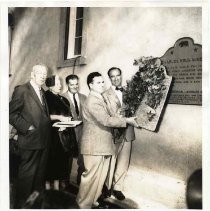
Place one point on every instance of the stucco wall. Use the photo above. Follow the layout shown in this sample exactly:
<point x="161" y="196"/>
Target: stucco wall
<point x="34" y="40"/>
<point x="115" y="37"/>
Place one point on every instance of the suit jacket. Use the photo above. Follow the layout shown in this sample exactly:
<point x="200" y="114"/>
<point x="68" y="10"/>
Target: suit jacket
<point x="114" y="106"/>
<point x="25" y="109"/>
<point x="82" y="98"/>
<point x="97" y="136"/>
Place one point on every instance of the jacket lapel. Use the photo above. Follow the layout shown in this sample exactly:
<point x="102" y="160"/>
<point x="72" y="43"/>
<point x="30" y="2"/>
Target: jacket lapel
<point x="114" y="96"/>
<point x="36" y="98"/>
<point x="71" y="106"/>
<point x="81" y="101"/>
<point x="45" y="102"/>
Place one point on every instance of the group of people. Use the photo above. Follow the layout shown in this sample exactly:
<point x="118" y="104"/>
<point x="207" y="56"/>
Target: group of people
<point x="102" y="143"/>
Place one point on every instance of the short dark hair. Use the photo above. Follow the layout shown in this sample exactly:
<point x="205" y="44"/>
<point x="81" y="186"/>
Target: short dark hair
<point x="91" y="76"/>
<point x="113" y="68"/>
<point x="71" y="77"/>
<point x="50" y="81"/>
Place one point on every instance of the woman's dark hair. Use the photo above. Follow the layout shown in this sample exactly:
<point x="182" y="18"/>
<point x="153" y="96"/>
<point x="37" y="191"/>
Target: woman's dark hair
<point x="50" y="81"/>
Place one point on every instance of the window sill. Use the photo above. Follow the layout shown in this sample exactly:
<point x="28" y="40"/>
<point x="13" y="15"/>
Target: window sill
<point x="77" y="61"/>
<point x="63" y="35"/>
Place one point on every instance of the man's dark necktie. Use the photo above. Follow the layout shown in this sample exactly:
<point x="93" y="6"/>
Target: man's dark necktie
<point x="43" y="101"/>
<point x="119" y="88"/>
<point x="76" y="105"/>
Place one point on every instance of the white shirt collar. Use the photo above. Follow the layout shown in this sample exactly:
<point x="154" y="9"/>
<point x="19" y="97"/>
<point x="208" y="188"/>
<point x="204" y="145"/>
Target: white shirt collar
<point x="76" y="94"/>
<point x="36" y="89"/>
<point x="113" y="87"/>
<point x="72" y="98"/>
<point x="34" y="85"/>
<point x="118" y="93"/>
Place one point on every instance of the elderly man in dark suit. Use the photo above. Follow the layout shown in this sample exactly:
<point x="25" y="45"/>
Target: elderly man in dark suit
<point x="76" y="100"/>
<point x="97" y="144"/>
<point x="28" y="113"/>
<point x="123" y="137"/>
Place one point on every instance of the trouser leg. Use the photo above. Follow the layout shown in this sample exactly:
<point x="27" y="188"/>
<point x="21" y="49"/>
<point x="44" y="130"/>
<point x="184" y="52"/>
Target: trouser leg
<point x="109" y="178"/>
<point x="122" y="165"/>
<point x="31" y="174"/>
<point x="92" y="180"/>
<point x="103" y="175"/>
<point x="110" y="175"/>
<point x="81" y="168"/>
<point x="40" y="174"/>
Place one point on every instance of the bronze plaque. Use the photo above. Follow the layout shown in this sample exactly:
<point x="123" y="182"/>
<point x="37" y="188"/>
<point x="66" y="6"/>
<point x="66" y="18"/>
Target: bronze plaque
<point x="184" y="63"/>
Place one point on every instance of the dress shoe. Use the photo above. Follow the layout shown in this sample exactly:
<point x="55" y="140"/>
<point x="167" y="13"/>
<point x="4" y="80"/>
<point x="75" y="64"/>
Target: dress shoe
<point x="118" y="195"/>
<point x="105" y="192"/>
<point x="100" y="206"/>
<point x="103" y="196"/>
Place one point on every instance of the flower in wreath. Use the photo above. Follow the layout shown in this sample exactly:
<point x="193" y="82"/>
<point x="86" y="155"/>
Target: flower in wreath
<point x="148" y="81"/>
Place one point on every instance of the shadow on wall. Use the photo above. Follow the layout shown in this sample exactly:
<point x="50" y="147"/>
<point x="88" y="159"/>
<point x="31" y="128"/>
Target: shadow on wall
<point x="18" y="58"/>
<point x="31" y="43"/>
<point x="180" y="162"/>
<point x="19" y="14"/>
<point x="164" y="108"/>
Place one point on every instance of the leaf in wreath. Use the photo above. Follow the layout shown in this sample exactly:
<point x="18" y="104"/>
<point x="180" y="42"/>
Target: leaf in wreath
<point x="157" y="62"/>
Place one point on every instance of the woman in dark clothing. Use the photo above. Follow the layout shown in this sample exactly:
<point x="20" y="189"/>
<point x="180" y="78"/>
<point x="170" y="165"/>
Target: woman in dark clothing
<point x="61" y="154"/>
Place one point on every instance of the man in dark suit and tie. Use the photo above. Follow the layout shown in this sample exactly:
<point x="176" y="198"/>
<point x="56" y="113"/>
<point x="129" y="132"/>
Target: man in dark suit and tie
<point x="28" y="113"/>
<point x="76" y="101"/>
<point x="122" y="137"/>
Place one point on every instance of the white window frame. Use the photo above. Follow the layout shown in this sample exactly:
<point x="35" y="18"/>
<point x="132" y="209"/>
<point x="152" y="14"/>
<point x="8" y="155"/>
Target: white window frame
<point x="66" y="57"/>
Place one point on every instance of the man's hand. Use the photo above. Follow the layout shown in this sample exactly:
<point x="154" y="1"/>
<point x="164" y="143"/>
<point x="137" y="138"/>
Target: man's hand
<point x="31" y="127"/>
<point x="132" y="121"/>
<point x="61" y="128"/>
<point x="65" y="118"/>
<point x="121" y="111"/>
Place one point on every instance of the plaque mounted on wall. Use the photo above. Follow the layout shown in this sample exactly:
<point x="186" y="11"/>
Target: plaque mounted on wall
<point x="184" y="63"/>
<point x="176" y="75"/>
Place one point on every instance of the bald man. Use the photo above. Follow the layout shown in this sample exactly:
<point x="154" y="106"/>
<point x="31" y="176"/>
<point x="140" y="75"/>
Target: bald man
<point x="28" y="113"/>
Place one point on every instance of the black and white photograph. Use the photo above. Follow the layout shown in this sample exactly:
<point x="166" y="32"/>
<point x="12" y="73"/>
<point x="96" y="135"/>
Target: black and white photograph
<point x="104" y="105"/>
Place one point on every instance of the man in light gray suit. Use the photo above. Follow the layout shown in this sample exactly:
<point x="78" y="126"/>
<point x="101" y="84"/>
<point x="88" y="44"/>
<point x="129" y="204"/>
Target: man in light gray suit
<point x="123" y="137"/>
<point x="97" y="144"/>
<point x="76" y="101"/>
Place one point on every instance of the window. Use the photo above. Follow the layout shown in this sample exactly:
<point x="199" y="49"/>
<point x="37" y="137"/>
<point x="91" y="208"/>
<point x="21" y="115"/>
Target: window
<point x="75" y="21"/>
<point x="72" y="43"/>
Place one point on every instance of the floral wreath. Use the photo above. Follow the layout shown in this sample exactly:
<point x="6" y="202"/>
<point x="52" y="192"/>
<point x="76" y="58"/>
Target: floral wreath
<point x="148" y="81"/>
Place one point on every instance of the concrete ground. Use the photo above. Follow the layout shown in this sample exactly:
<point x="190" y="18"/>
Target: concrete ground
<point x="145" y="189"/>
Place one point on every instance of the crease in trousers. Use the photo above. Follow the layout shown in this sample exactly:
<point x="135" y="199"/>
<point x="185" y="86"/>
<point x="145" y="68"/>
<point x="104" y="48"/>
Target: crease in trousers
<point x="92" y="180"/>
